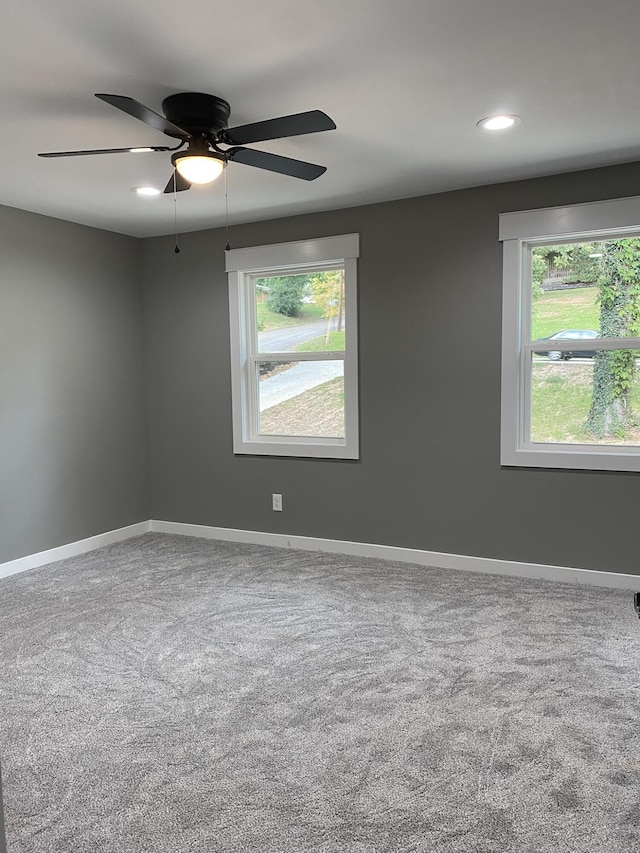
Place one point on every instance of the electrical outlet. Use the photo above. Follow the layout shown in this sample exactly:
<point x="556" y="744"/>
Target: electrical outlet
<point x="276" y="503"/>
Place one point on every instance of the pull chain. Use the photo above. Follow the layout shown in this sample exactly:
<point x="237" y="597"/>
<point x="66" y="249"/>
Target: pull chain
<point x="226" y="206"/>
<point x="175" y="210"/>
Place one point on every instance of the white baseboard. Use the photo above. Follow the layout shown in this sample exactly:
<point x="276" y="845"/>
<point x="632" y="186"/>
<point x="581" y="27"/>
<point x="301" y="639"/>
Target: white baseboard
<point x="32" y="561"/>
<point x="461" y="562"/>
<point x="615" y="580"/>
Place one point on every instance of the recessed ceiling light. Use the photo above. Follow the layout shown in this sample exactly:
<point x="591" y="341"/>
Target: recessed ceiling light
<point x="148" y="191"/>
<point x="501" y="122"/>
<point x="139" y="150"/>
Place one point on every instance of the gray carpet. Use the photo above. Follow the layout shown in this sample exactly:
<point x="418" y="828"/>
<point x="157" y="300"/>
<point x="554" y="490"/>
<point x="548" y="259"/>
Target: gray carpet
<point x="174" y="694"/>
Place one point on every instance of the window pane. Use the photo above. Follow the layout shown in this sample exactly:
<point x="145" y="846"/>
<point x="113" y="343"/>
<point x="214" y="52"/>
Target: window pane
<point x="303" y="312"/>
<point x="585" y="290"/>
<point x="587" y="401"/>
<point x="302" y="398"/>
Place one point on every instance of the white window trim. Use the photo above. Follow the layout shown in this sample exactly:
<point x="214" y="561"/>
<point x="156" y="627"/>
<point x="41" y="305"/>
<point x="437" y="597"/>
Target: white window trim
<point x="242" y="266"/>
<point x="519" y="232"/>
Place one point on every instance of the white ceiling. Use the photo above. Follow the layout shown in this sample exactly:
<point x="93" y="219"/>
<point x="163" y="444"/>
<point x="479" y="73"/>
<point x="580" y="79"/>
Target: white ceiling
<point x="404" y="80"/>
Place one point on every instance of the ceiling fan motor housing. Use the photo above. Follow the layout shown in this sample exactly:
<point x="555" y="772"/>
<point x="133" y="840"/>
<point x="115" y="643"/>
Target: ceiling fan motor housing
<point x="196" y="112"/>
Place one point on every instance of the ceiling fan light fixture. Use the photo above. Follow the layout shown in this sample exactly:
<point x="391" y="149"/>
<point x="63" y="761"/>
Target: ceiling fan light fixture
<point x="198" y="168"/>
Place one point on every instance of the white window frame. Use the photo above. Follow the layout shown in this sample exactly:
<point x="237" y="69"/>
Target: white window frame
<point x="243" y="267"/>
<point x="520" y="232"/>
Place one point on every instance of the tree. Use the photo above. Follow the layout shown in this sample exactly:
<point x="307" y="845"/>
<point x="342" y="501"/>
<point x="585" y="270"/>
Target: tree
<point x="614" y="370"/>
<point x="539" y="269"/>
<point x="327" y="289"/>
<point x="578" y="261"/>
<point x="286" y="293"/>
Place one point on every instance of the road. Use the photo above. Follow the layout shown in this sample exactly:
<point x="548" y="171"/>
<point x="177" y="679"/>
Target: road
<point x="287" y="339"/>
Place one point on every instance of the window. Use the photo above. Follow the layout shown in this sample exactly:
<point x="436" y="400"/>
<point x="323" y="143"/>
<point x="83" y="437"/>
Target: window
<point x="294" y="367"/>
<point x="571" y="337"/>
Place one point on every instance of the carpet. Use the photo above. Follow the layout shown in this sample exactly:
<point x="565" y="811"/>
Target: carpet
<point x="177" y="695"/>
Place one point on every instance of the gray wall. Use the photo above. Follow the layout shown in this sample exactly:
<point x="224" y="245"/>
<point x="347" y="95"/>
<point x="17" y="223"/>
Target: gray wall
<point x="72" y="423"/>
<point x="429" y="477"/>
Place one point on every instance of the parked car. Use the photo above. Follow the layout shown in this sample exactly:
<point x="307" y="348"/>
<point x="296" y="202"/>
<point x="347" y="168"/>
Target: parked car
<point x="569" y="334"/>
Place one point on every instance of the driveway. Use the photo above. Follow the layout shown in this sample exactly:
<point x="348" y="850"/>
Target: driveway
<point x="296" y="380"/>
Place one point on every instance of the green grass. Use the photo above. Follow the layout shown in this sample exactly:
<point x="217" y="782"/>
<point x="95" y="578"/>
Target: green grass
<point x="334" y="343"/>
<point x="561" y="394"/>
<point x="565" y="309"/>
<point x="268" y="320"/>
<point x="560" y="402"/>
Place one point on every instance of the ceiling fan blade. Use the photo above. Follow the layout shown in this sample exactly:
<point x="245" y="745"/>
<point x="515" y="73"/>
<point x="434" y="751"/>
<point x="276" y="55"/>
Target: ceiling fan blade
<point x="181" y="183"/>
<point x="275" y="163"/>
<point x="313" y="121"/>
<point x="106" y="151"/>
<point x="139" y="111"/>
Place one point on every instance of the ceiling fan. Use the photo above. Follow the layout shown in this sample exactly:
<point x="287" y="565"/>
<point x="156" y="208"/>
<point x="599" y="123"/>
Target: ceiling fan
<point x="206" y="144"/>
